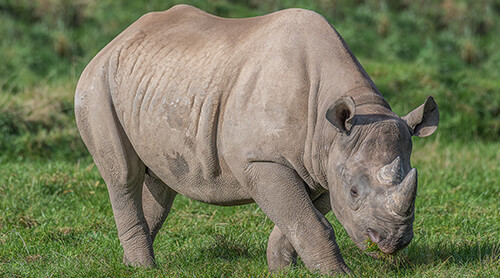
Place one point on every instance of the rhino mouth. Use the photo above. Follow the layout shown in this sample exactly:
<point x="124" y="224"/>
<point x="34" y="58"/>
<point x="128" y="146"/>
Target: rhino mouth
<point x="378" y="250"/>
<point x="377" y="244"/>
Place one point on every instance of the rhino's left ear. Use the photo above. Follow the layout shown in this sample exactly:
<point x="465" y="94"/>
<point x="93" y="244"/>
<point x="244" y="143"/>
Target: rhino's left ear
<point x="423" y="121"/>
<point x="340" y="114"/>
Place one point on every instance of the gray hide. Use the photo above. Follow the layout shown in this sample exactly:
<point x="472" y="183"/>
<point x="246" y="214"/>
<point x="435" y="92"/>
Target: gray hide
<point x="272" y="109"/>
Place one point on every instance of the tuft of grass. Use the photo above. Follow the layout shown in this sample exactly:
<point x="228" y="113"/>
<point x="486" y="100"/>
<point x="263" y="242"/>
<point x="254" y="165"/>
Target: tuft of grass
<point x="39" y="122"/>
<point x="372" y="247"/>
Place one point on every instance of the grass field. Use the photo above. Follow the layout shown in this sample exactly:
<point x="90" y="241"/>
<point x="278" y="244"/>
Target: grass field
<point x="56" y="220"/>
<point x="55" y="215"/>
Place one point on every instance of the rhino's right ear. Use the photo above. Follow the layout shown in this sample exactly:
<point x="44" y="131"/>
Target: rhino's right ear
<point x="423" y="121"/>
<point x="340" y="114"/>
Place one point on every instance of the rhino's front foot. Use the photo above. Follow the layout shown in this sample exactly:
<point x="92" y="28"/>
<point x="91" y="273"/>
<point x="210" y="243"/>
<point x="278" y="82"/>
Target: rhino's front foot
<point x="282" y="195"/>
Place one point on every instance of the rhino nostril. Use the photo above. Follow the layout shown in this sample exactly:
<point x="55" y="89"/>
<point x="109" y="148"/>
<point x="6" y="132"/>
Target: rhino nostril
<point x="374" y="235"/>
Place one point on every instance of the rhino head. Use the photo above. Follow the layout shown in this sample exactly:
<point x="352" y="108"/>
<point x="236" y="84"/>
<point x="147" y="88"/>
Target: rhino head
<point x="371" y="182"/>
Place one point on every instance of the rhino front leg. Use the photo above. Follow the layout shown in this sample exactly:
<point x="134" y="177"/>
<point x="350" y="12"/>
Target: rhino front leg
<point x="157" y="199"/>
<point x="280" y="252"/>
<point x="281" y="194"/>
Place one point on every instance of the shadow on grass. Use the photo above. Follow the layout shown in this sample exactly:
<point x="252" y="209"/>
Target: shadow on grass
<point x="465" y="252"/>
<point x="226" y="248"/>
<point x="437" y="255"/>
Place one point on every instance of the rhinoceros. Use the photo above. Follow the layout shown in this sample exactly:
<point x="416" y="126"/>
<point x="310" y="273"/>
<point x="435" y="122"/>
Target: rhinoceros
<point x="273" y="109"/>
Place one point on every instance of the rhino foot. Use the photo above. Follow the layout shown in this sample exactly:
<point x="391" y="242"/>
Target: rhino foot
<point x="140" y="262"/>
<point x="280" y="252"/>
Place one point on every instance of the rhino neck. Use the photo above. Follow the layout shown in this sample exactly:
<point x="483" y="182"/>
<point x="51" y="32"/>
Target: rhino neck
<point x="326" y="140"/>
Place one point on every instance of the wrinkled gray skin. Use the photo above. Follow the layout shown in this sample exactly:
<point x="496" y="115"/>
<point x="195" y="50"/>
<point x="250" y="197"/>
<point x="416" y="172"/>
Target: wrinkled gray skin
<point x="272" y="109"/>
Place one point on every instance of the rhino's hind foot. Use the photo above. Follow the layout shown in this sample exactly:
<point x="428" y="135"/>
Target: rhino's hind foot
<point x="143" y="262"/>
<point x="137" y="247"/>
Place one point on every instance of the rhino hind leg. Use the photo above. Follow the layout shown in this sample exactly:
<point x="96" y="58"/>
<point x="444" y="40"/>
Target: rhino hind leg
<point x="121" y="169"/>
<point x="281" y="194"/>
<point x="280" y="252"/>
<point x="157" y="199"/>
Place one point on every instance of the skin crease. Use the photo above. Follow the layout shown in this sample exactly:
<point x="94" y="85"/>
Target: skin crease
<point x="273" y="109"/>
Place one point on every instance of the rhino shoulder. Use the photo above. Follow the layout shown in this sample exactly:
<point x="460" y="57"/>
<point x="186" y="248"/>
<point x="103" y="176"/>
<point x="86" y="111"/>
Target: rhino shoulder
<point x="306" y="20"/>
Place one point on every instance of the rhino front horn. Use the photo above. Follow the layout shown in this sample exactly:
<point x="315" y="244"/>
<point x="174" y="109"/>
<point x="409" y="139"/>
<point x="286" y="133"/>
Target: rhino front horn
<point x="403" y="195"/>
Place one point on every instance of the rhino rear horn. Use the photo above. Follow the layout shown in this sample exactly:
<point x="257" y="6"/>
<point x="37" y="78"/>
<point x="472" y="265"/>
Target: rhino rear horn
<point x="403" y="195"/>
<point x="341" y="113"/>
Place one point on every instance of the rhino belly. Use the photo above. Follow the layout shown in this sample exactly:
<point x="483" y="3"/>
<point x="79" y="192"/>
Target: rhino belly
<point x="175" y="135"/>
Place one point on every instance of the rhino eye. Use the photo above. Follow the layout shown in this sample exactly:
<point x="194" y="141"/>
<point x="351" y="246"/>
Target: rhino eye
<point x="354" y="191"/>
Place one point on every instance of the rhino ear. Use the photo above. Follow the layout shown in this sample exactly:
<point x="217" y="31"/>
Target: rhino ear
<point x="423" y="121"/>
<point x="340" y="114"/>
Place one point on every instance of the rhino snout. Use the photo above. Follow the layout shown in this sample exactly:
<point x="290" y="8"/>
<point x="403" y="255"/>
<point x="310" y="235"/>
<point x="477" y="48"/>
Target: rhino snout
<point x="380" y="240"/>
<point x="387" y="245"/>
<point x="374" y="235"/>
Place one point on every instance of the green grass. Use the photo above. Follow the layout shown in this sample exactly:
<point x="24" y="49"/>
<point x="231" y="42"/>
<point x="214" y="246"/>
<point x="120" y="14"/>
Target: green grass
<point x="55" y="216"/>
<point x="56" y="219"/>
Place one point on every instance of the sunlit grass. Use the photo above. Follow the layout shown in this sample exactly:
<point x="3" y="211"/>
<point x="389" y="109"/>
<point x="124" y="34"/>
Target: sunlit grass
<point x="55" y="217"/>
